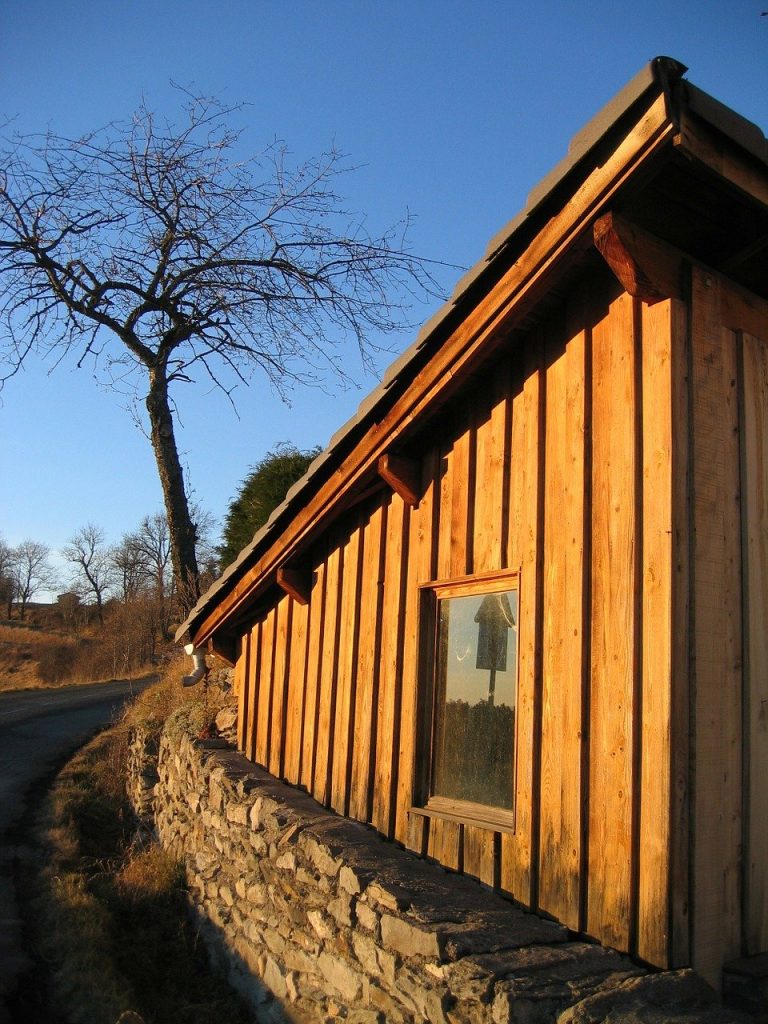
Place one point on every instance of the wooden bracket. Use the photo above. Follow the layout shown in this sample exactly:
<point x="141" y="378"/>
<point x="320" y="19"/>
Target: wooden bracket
<point x="403" y="476"/>
<point x="646" y="267"/>
<point x="224" y="647"/>
<point x="295" y="582"/>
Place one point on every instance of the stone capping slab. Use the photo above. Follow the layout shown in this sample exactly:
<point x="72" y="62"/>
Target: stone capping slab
<point x="315" y="917"/>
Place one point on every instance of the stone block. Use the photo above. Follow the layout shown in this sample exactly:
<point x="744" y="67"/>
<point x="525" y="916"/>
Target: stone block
<point x="367" y="917"/>
<point x="342" y="910"/>
<point x="349" y="881"/>
<point x="298" y="960"/>
<point x="237" y="814"/>
<point x="320" y="924"/>
<point x="410" y="940"/>
<point x="274" y="979"/>
<point x="340" y="976"/>
<point x="391" y="896"/>
<point x="286" y="861"/>
<point x="321" y="857"/>
<point x="257" y="894"/>
<point x="275" y="943"/>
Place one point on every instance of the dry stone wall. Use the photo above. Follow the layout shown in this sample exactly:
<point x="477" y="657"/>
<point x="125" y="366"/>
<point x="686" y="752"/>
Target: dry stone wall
<point x="314" y="917"/>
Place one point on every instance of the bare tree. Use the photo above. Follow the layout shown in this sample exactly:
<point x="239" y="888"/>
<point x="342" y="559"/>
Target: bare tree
<point x="32" y="572"/>
<point x="94" y="568"/>
<point x="154" y="249"/>
<point x="129" y="568"/>
<point x="7" y="582"/>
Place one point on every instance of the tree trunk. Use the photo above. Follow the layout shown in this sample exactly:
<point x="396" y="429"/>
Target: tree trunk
<point x="181" y="530"/>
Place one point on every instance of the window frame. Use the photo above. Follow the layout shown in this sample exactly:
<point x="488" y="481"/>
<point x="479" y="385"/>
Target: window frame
<point x="427" y="803"/>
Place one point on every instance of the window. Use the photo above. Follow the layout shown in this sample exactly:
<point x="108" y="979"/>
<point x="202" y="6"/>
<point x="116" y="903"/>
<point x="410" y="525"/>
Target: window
<point x="472" y="629"/>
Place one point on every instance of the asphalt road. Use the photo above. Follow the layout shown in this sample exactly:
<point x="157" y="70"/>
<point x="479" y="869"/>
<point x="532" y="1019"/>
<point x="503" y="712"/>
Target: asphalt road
<point x="39" y="730"/>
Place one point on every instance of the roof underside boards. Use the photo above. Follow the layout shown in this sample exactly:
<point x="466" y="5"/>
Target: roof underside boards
<point x="664" y="150"/>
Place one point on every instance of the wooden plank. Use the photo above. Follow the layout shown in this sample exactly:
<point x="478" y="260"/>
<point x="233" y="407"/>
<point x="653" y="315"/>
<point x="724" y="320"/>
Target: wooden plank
<point x="755" y="560"/>
<point x="444" y="843"/>
<point x="658" y="576"/>
<point x="312" y="703"/>
<point x="395" y="543"/>
<point x="297" y="676"/>
<point x="420" y="569"/>
<point x="518" y="869"/>
<point x="369" y="660"/>
<point x="613" y="614"/>
<point x="680" y="707"/>
<point x="462" y="498"/>
<point x="254" y="675"/>
<point x="717" y="634"/>
<point x="444" y="496"/>
<point x="346" y="681"/>
<point x="562" y="726"/>
<point x="479" y="854"/>
<point x="264" y="689"/>
<point x="321" y="783"/>
<point x="417" y="835"/>
<point x="492" y="475"/>
<point x="242" y="684"/>
<point x="279" y="686"/>
<point x="476" y="340"/>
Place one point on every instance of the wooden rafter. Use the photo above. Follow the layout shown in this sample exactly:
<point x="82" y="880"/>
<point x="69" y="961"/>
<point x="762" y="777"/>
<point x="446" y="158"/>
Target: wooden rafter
<point x="403" y="476"/>
<point x="646" y="267"/>
<point x="295" y="582"/>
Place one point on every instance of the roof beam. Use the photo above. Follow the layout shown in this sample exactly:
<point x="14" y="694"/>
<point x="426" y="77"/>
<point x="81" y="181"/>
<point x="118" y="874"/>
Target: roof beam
<point x="295" y="582"/>
<point x="402" y="475"/>
<point x="646" y="267"/>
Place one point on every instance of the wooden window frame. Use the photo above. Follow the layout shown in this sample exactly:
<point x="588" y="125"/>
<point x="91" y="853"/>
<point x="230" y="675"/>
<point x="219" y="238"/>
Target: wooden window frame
<point x="426" y="803"/>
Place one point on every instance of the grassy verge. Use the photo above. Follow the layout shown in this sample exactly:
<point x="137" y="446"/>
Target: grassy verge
<point x="111" y="917"/>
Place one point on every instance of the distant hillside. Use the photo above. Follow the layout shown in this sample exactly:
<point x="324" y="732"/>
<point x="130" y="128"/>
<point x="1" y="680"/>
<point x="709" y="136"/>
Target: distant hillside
<point x="30" y="654"/>
<point x="60" y="644"/>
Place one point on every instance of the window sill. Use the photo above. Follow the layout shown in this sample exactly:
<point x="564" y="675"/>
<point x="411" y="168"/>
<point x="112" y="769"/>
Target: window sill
<point x="465" y="813"/>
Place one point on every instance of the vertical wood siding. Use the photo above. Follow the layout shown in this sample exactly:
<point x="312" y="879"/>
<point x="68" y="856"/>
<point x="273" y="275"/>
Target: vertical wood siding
<point x="755" y="561"/>
<point x="717" y="634"/>
<point x="568" y="463"/>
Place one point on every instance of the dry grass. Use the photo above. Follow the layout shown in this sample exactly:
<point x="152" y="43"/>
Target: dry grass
<point x="22" y="651"/>
<point x="112" y="915"/>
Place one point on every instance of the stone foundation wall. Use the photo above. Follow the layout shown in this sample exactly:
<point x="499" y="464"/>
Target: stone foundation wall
<point x="314" y="917"/>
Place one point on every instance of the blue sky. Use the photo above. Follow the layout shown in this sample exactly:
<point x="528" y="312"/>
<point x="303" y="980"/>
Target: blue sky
<point x="452" y="110"/>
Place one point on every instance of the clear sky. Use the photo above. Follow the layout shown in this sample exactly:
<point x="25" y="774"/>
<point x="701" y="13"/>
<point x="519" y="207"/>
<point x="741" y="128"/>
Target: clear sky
<point x="454" y="110"/>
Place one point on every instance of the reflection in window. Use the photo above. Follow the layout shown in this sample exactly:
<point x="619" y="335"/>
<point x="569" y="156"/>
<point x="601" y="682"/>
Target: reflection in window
<point x="475" y="698"/>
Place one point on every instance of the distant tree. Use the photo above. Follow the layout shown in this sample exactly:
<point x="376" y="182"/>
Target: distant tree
<point x="7" y="584"/>
<point x="130" y="569"/>
<point x="159" y="252"/>
<point x="94" y="567"/>
<point x="152" y="543"/>
<point x="259" y="494"/>
<point x="32" y="572"/>
<point x="70" y="605"/>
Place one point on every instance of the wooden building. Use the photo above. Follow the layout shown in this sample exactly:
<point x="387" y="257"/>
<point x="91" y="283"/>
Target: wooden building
<point x="516" y="615"/>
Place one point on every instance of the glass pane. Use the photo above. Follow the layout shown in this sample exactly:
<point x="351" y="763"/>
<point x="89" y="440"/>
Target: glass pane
<point x="476" y="677"/>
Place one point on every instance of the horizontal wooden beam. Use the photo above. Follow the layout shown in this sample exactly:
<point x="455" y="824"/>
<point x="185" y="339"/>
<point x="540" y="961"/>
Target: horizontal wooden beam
<point x="296" y="583"/>
<point x="645" y="266"/>
<point x="403" y="476"/>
